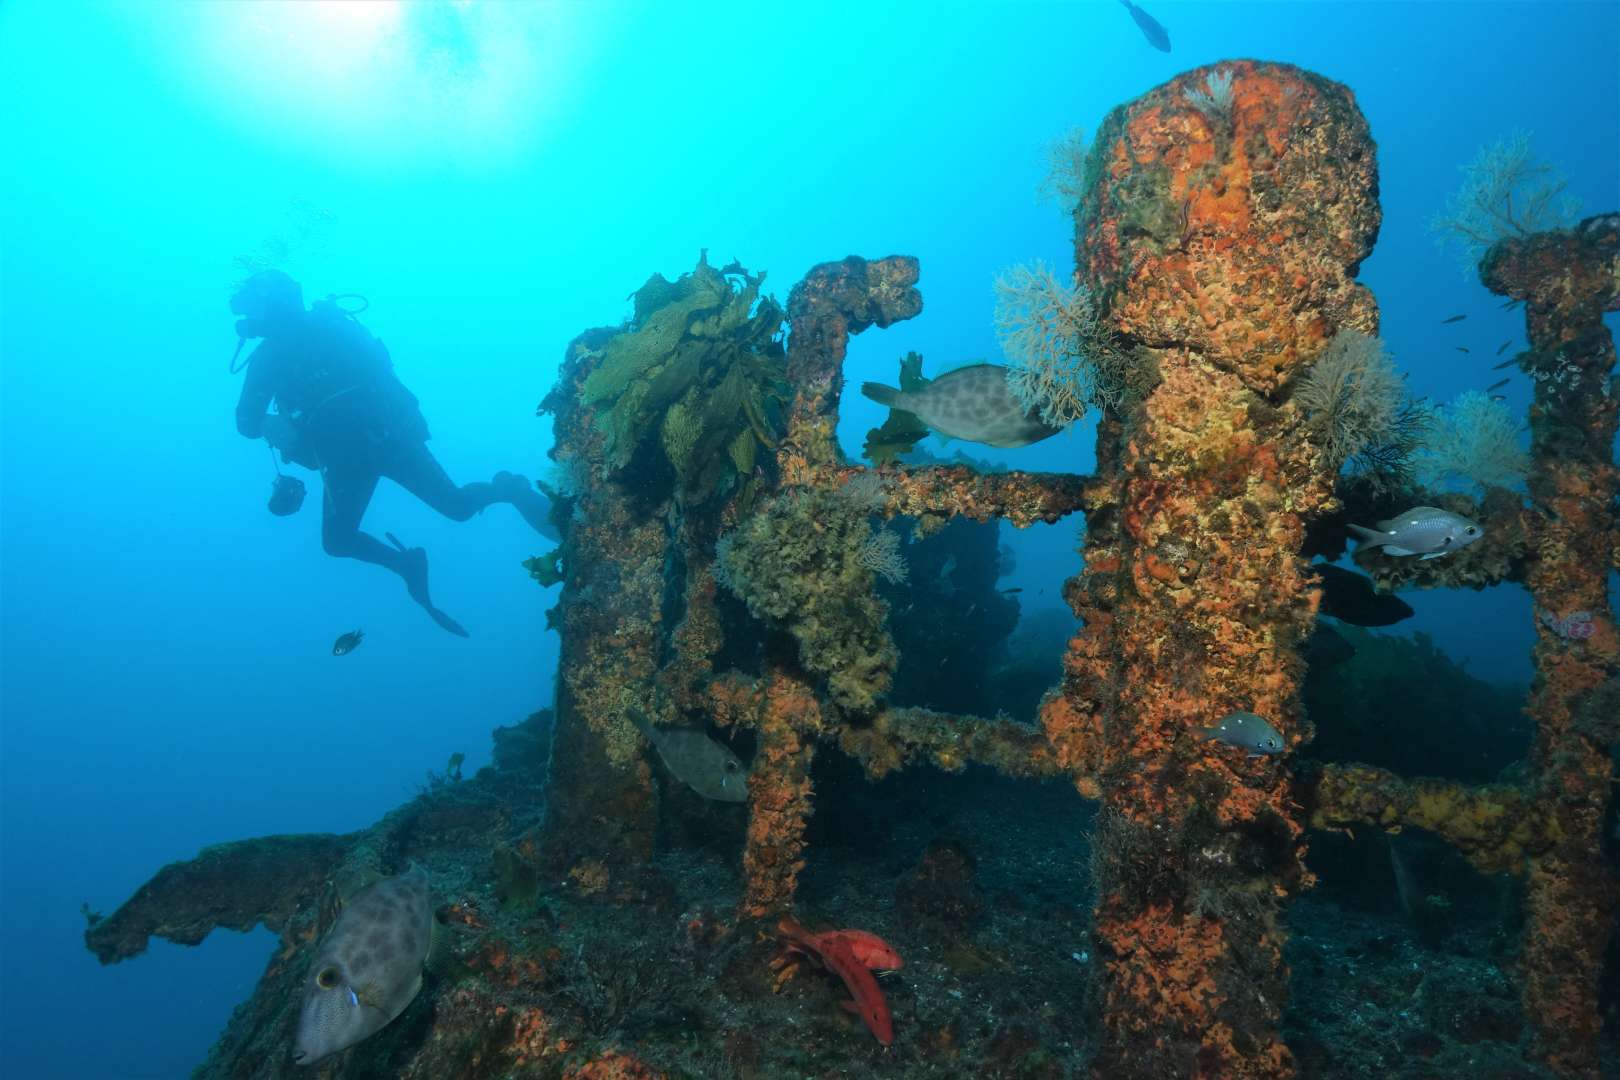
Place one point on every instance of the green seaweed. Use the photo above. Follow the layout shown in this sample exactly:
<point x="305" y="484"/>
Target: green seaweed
<point x="697" y="375"/>
<point x="516" y="882"/>
<point x="902" y="430"/>
<point x="546" y="569"/>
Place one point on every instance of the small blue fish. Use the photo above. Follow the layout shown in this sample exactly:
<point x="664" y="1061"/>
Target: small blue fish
<point x="347" y="643"/>
<point x="1246" y="731"/>
<point x="1426" y="531"/>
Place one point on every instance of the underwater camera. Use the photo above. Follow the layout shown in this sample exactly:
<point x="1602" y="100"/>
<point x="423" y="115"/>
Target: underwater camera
<point x="286" y="495"/>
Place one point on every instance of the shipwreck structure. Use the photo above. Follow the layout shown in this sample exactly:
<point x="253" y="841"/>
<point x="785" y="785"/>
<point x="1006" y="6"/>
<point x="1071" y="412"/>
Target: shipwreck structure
<point x="719" y="570"/>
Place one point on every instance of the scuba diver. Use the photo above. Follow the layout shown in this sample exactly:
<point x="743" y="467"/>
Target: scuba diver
<point x="341" y="410"/>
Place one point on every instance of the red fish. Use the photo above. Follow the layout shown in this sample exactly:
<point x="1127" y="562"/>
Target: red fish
<point x="838" y="957"/>
<point x="869" y="949"/>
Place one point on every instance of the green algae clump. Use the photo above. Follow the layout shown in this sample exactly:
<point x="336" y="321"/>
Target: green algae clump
<point x="546" y="569"/>
<point x="807" y="561"/>
<point x="902" y="430"/>
<point x="516" y="881"/>
<point x="695" y="379"/>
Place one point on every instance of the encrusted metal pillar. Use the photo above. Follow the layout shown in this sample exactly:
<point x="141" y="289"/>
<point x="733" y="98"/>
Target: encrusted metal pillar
<point x="1224" y="218"/>
<point x="833" y="301"/>
<point x="600" y="805"/>
<point x="1567" y="280"/>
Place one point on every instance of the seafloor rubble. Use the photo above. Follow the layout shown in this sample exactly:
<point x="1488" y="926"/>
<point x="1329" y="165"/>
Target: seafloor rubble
<point x="1087" y="889"/>
<point x="982" y="881"/>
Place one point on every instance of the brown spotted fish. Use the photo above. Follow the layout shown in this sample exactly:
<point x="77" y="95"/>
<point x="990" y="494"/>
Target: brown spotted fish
<point x="705" y="766"/>
<point x="972" y="403"/>
<point x="368" y="968"/>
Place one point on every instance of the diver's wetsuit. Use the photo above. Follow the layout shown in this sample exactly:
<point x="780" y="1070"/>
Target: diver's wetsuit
<point x="358" y="423"/>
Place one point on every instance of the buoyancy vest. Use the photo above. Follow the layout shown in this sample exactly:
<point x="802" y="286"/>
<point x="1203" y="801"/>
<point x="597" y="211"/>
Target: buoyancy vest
<point x="331" y="357"/>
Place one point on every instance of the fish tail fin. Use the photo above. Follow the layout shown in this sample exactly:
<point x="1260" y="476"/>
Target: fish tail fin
<point x="883" y="395"/>
<point x="351" y="880"/>
<point x="1368" y="537"/>
<point x="642" y="724"/>
<point x="790" y="929"/>
<point x="440" y="960"/>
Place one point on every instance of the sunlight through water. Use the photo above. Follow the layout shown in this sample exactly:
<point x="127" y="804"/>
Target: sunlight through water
<point x="387" y="82"/>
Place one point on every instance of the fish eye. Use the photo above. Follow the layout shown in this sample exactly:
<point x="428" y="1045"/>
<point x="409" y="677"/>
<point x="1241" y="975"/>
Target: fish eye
<point x="1471" y="530"/>
<point x="731" y="766"/>
<point x="327" y="978"/>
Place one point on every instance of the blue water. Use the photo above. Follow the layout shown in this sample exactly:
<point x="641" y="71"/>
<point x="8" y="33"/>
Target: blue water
<point x="495" y="178"/>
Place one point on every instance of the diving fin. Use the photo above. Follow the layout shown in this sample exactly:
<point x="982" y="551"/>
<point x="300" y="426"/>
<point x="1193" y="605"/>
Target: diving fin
<point x="415" y="573"/>
<point x="445" y="621"/>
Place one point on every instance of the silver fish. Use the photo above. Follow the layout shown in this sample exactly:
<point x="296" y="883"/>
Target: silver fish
<point x="368" y="968"/>
<point x="699" y="762"/>
<point x="1246" y="731"/>
<point x="972" y="403"/>
<point x="1426" y="531"/>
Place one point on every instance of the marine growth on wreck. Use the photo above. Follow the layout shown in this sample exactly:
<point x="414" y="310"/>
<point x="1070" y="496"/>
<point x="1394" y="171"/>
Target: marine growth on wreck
<point x="696" y="862"/>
